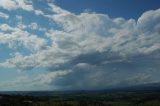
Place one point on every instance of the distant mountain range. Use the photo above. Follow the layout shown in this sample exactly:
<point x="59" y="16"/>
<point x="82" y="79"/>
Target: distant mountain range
<point x="143" y="87"/>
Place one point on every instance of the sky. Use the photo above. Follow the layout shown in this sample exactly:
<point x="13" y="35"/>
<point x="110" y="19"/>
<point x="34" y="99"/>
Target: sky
<point x="78" y="44"/>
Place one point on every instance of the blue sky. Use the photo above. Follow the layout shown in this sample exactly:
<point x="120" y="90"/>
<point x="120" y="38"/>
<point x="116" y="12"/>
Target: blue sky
<point x="126" y="8"/>
<point x="83" y="44"/>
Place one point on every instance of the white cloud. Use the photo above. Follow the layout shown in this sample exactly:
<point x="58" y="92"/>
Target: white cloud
<point x="16" y="4"/>
<point x="40" y="81"/>
<point x="3" y="15"/>
<point x="21" y="26"/>
<point x="8" y="4"/>
<point x="98" y="32"/>
<point x="33" y="26"/>
<point x="5" y="27"/>
<point x="89" y="33"/>
<point x="57" y="9"/>
<point x="51" y="76"/>
<point x="149" y="21"/>
<point x="86" y="43"/>
<point x="38" y="12"/>
<point x="19" y="38"/>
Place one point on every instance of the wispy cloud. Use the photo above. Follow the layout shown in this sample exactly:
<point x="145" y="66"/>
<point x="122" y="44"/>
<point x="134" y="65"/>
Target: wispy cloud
<point x="3" y="15"/>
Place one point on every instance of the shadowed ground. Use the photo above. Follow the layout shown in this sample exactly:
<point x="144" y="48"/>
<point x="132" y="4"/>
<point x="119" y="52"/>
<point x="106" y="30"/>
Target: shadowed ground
<point x="85" y="98"/>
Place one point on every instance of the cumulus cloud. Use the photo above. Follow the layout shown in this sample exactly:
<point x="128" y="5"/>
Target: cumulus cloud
<point x="5" y="27"/>
<point x="33" y="26"/>
<point x="16" y="4"/>
<point x="19" y="38"/>
<point x="95" y="47"/>
<point x="98" y="32"/>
